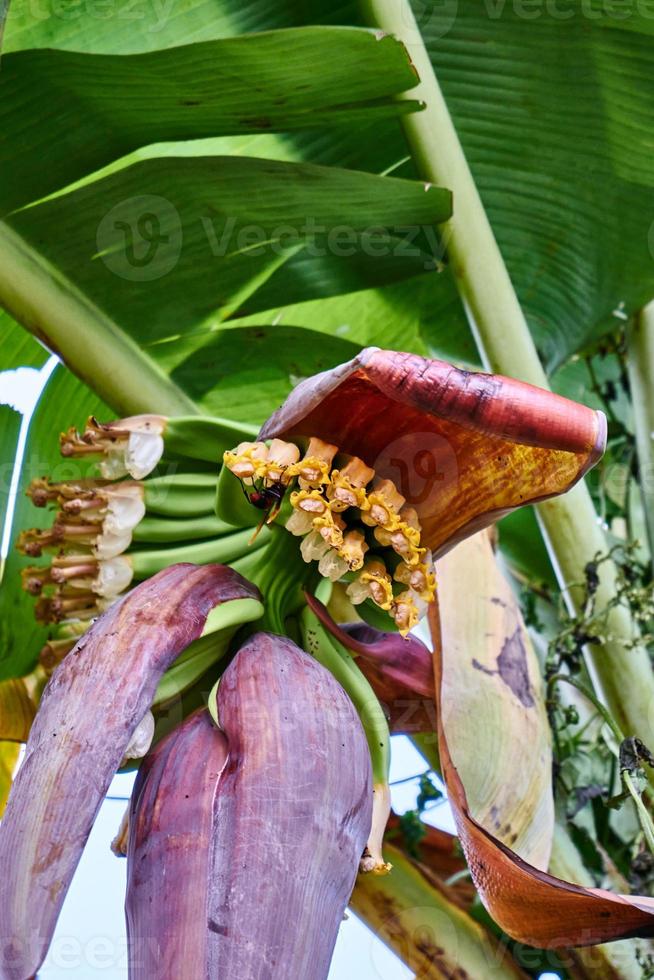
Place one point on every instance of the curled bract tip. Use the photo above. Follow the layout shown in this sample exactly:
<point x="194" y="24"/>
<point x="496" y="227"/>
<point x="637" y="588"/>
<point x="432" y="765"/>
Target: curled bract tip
<point x="464" y="448"/>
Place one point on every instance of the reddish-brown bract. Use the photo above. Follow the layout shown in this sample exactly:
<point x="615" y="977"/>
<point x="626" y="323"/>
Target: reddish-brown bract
<point x="170" y="827"/>
<point x="399" y="669"/>
<point x="464" y="448"/>
<point x="291" y="818"/>
<point x="91" y="706"/>
<point x="530" y="905"/>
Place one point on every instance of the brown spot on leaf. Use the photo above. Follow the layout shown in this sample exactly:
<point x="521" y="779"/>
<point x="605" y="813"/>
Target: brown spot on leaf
<point x="512" y="668"/>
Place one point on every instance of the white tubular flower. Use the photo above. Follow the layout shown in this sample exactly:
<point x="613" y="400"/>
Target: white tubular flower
<point x="299" y="523"/>
<point x="125" y="508"/>
<point x="141" y="739"/>
<point x="106" y="578"/>
<point x="113" y="577"/>
<point x="247" y="461"/>
<point x="313" y="469"/>
<point x="143" y="452"/>
<point x="131" y="446"/>
<point x="332" y="566"/>
<point x="281" y="455"/>
<point x="313" y="547"/>
<point x="353" y="550"/>
<point x="374" y="583"/>
<point x="111" y="543"/>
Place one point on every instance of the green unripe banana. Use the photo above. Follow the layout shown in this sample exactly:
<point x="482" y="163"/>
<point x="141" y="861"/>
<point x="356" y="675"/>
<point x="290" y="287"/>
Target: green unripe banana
<point x="219" y="551"/>
<point x="163" y="530"/>
<point x="180" y="494"/>
<point x="221" y="625"/>
<point x="205" y="438"/>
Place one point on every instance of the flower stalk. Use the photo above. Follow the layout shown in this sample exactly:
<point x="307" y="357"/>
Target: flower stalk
<point x="640" y="367"/>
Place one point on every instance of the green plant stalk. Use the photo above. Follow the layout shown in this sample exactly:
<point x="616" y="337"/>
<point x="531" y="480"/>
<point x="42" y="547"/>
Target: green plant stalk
<point x="640" y="367"/>
<point x="569" y="524"/>
<point x="644" y="817"/>
<point x="336" y="659"/>
<point x="51" y="308"/>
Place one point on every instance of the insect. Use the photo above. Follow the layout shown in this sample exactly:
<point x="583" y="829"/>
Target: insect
<point x="266" y="498"/>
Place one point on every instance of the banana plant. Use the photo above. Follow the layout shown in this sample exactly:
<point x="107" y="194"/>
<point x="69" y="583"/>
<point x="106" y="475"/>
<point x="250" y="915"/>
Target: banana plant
<point x="170" y="234"/>
<point x="333" y="513"/>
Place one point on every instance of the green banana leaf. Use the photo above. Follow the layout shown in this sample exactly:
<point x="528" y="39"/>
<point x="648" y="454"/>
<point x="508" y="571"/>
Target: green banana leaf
<point x="65" y="401"/>
<point x="19" y="351"/>
<point x="193" y="91"/>
<point x="10" y="421"/>
<point x="135" y="262"/>
<point x="554" y="113"/>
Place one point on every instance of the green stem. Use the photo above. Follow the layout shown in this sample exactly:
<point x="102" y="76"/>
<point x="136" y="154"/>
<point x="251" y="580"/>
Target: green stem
<point x="644" y="817"/>
<point x="640" y="367"/>
<point x="643" y="814"/>
<point x="569" y="524"/>
<point x="93" y="346"/>
<point x="280" y="574"/>
<point x="618" y="734"/>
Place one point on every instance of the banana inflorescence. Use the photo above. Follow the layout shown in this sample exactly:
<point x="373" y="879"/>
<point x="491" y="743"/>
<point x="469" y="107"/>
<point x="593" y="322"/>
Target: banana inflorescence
<point x="168" y="842"/>
<point x="268" y="812"/>
<point x="291" y="817"/>
<point x="356" y="526"/>
<point x="131" y="517"/>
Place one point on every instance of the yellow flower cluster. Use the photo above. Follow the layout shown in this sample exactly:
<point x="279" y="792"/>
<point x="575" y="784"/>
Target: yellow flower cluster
<point x="254" y="461"/>
<point x="322" y="497"/>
